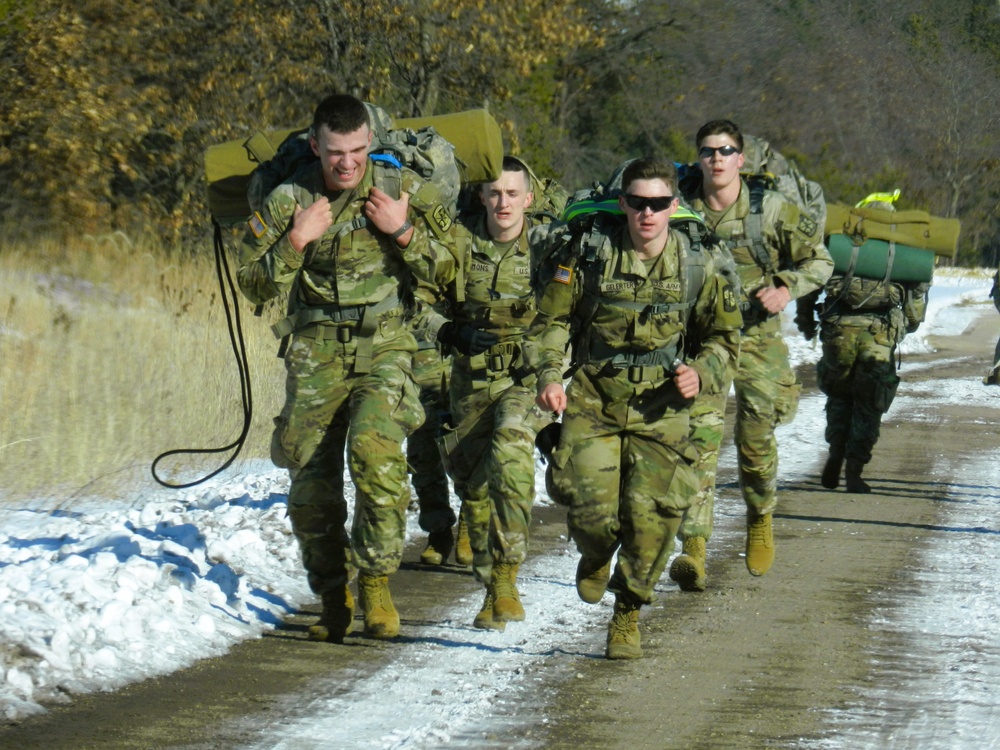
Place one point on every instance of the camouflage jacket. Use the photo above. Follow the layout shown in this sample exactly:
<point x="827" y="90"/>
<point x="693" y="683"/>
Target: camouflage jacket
<point x="352" y="265"/>
<point x="486" y="283"/>
<point x="640" y="314"/>
<point x="793" y="241"/>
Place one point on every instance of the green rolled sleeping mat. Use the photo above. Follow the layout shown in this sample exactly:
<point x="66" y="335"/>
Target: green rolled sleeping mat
<point x="871" y="259"/>
<point x="877" y="244"/>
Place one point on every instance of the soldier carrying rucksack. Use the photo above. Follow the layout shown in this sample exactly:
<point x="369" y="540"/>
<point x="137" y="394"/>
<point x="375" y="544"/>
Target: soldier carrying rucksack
<point x="865" y="312"/>
<point x="649" y="344"/>
<point x="348" y="252"/>
<point x="777" y="246"/>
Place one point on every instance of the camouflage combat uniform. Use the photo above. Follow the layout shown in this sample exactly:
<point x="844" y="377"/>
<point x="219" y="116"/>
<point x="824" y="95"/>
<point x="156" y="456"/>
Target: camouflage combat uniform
<point x="624" y="461"/>
<point x="767" y="389"/>
<point x="349" y="377"/>
<point x="430" y="481"/>
<point x="490" y="450"/>
<point x="861" y="324"/>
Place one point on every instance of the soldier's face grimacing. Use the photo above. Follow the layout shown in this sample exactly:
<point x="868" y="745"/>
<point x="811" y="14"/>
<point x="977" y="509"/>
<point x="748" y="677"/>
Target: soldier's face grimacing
<point x="506" y="200"/>
<point x="344" y="156"/>
<point x="719" y="169"/>
<point x="646" y="223"/>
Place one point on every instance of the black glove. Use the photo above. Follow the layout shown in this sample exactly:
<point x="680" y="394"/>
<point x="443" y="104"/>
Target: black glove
<point x="467" y="338"/>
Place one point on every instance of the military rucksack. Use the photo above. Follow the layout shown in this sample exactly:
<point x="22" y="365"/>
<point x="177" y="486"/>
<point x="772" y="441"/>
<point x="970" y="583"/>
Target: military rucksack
<point x="590" y="221"/>
<point x="445" y="150"/>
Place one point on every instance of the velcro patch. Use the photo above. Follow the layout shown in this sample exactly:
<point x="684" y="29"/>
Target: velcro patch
<point x="439" y="219"/>
<point x="807" y="225"/>
<point x="563" y="275"/>
<point x="729" y="298"/>
<point x="257" y="225"/>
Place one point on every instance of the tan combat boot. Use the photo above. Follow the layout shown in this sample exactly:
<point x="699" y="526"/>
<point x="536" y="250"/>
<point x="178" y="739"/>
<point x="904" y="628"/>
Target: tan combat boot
<point x="439" y="544"/>
<point x="381" y="617"/>
<point x="337" y="618"/>
<point x="506" y="599"/>
<point x="592" y="579"/>
<point x="624" y="641"/>
<point x="688" y="568"/>
<point x="760" y="544"/>
<point x="463" y="547"/>
<point x="486" y="620"/>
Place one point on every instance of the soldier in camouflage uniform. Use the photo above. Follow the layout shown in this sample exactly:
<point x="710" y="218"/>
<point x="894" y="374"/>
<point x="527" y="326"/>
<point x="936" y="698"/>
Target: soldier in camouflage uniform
<point x="624" y="461"/>
<point x="347" y="254"/>
<point x="779" y="255"/>
<point x="862" y="322"/>
<point x="430" y="481"/>
<point x="489" y="451"/>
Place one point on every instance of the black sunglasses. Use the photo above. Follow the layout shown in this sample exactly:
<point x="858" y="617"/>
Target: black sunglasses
<point x="641" y="202"/>
<point x="707" y="152"/>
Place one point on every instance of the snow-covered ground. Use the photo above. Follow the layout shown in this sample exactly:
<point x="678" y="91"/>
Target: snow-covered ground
<point x="100" y="593"/>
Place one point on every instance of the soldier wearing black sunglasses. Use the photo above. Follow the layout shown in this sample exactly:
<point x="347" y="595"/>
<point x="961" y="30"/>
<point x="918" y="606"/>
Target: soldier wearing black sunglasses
<point x="779" y="255"/>
<point x="662" y="323"/>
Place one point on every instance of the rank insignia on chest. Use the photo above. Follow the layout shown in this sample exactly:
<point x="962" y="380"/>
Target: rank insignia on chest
<point x="563" y="275"/>
<point x="257" y="225"/>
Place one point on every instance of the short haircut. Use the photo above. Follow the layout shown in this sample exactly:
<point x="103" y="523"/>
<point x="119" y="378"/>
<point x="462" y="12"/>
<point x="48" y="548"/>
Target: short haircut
<point x="650" y="168"/>
<point x="720" y="127"/>
<point x="511" y="164"/>
<point x="340" y="113"/>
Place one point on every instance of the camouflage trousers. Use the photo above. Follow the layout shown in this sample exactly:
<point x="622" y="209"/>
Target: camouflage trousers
<point x="624" y="468"/>
<point x="427" y="474"/>
<point x="490" y="455"/>
<point x="767" y="395"/>
<point x="708" y="422"/>
<point x="859" y="378"/>
<point x="329" y="407"/>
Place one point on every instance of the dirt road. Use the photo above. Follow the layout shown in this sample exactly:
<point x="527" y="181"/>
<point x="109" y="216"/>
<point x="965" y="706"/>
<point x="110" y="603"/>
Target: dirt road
<point x="751" y="662"/>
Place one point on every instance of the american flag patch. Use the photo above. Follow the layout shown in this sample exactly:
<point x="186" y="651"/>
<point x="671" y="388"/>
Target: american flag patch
<point x="257" y="225"/>
<point x="563" y="275"/>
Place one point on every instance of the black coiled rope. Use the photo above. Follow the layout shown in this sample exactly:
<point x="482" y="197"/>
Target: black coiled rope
<point x="227" y="294"/>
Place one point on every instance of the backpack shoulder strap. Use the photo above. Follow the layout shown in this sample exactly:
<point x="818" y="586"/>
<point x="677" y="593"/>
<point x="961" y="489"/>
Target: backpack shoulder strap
<point x="755" y="226"/>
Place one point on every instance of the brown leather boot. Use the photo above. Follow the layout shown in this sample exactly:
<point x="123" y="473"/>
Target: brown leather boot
<point x="852" y="477"/>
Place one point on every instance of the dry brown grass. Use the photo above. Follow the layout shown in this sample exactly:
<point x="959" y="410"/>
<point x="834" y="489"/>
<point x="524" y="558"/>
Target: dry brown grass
<point x="110" y="354"/>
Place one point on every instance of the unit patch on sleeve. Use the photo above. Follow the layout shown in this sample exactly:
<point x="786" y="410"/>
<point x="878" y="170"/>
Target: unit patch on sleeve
<point x="807" y="225"/>
<point x="439" y="219"/>
<point x="728" y="298"/>
<point x="563" y="275"/>
<point x="257" y="225"/>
